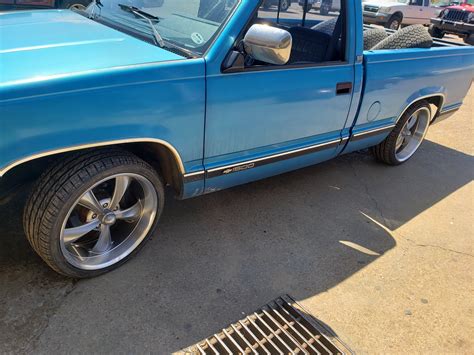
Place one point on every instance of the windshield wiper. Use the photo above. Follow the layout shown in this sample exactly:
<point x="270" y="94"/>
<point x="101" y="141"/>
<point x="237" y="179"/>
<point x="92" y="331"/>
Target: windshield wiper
<point x="148" y="17"/>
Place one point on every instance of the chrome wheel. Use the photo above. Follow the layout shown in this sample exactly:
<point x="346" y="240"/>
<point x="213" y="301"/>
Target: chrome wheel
<point x="108" y="221"/>
<point x="412" y="134"/>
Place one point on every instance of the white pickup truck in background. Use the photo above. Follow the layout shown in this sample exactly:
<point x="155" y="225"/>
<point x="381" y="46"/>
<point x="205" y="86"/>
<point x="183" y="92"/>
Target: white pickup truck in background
<point x="393" y="13"/>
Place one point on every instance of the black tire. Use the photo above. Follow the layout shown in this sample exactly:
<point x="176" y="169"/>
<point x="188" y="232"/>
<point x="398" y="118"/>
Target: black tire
<point x="415" y="36"/>
<point x="285" y="5"/>
<point x="469" y="39"/>
<point x="326" y="26"/>
<point x="394" y="22"/>
<point x="386" y="150"/>
<point x="58" y="189"/>
<point x="324" y="10"/>
<point x="373" y="36"/>
<point x="435" y="32"/>
<point x="75" y="4"/>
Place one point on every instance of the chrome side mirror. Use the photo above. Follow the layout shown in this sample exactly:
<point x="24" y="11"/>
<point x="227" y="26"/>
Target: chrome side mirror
<point x="268" y="44"/>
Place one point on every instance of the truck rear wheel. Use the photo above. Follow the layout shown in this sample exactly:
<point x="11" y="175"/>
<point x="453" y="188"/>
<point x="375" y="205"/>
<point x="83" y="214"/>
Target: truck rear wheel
<point x="91" y="212"/>
<point x="407" y="135"/>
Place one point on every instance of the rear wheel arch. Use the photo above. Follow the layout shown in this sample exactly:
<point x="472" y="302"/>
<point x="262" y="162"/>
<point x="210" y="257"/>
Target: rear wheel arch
<point x="436" y="101"/>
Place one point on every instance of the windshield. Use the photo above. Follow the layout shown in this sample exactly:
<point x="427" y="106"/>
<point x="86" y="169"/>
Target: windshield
<point x="187" y="24"/>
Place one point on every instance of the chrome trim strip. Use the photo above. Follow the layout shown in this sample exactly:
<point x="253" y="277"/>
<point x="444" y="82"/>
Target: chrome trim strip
<point x="196" y="176"/>
<point x="372" y="132"/>
<point x="249" y="164"/>
<point x="173" y="150"/>
<point x="375" y="130"/>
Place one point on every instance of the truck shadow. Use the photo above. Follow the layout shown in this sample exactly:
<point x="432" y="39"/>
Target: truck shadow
<point x="219" y="255"/>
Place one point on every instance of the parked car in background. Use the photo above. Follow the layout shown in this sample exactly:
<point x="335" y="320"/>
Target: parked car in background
<point x="324" y="6"/>
<point x="43" y="4"/>
<point x="199" y="96"/>
<point x="456" y="19"/>
<point x="285" y="4"/>
<point x="393" y="14"/>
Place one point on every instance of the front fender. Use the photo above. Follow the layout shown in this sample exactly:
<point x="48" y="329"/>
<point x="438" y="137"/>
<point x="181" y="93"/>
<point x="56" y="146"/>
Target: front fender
<point x="161" y="102"/>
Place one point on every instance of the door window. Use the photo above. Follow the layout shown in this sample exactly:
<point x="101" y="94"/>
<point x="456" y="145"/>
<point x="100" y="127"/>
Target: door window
<point x="317" y="31"/>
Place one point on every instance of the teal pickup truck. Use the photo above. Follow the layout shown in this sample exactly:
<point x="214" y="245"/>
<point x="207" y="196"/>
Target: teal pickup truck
<point x="105" y="107"/>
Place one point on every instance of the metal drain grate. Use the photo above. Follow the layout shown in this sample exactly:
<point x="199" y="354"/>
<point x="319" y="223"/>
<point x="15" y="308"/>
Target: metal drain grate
<point x="280" y="327"/>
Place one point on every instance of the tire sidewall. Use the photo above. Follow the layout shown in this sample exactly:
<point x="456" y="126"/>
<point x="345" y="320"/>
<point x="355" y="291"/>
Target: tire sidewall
<point x="396" y="131"/>
<point x="68" y="3"/>
<point x="469" y="39"/>
<point x="393" y="19"/>
<point x="435" y="32"/>
<point x="54" y="235"/>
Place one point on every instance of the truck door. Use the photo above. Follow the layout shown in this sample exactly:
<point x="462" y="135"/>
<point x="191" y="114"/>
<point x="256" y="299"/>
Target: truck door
<point x="266" y="119"/>
<point x="429" y="11"/>
<point x="414" y="13"/>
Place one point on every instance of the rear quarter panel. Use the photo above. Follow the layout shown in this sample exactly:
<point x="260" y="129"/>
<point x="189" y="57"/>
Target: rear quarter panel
<point x="396" y="78"/>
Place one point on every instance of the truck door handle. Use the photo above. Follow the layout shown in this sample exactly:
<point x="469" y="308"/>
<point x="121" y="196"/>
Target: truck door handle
<point x="343" y="88"/>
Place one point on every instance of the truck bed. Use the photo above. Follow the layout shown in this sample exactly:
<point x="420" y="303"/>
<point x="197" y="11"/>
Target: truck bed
<point x="443" y="72"/>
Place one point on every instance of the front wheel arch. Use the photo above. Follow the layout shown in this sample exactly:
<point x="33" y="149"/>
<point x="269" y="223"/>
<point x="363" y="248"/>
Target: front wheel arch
<point x="161" y="155"/>
<point x="397" y="15"/>
<point x="71" y="4"/>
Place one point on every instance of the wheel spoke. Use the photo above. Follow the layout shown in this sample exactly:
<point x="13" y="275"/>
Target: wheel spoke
<point x="104" y="242"/>
<point x="89" y="201"/>
<point x="121" y="185"/>
<point x="411" y="121"/>
<point x="400" y="141"/>
<point x="131" y="212"/>
<point x="70" y="235"/>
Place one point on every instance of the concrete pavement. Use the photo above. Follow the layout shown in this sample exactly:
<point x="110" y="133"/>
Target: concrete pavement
<point x="383" y="255"/>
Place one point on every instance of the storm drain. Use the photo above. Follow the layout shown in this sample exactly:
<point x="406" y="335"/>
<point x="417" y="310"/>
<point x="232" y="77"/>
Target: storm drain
<point x="280" y="327"/>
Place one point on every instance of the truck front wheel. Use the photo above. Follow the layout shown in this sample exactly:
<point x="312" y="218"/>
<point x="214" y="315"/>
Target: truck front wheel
<point x="469" y="39"/>
<point x="324" y="10"/>
<point x="394" y="22"/>
<point x="91" y="212"/>
<point x="435" y="32"/>
<point x="407" y="135"/>
<point x="285" y="4"/>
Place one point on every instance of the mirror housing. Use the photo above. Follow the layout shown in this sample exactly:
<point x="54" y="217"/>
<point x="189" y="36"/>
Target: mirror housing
<point x="268" y="44"/>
